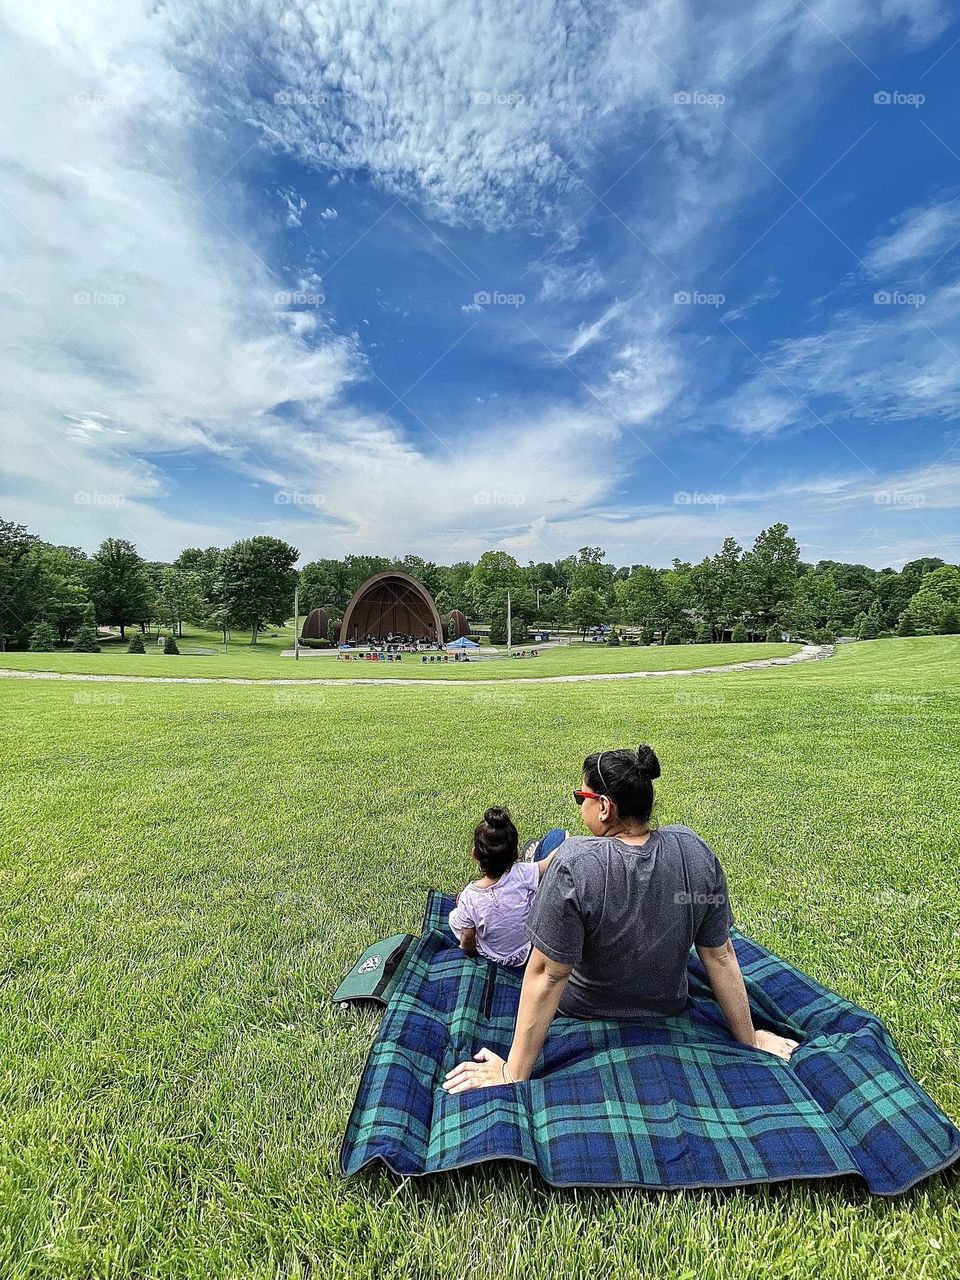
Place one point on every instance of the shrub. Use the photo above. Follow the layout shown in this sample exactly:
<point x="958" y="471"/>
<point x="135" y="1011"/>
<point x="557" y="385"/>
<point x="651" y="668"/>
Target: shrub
<point x="673" y="637"/>
<point x="43" y="639"/>
<point x="170" y="645"/>
<point x="867" y="628"/>
<point x="906" y="627"/>
<point x="950" y="622"/>
<point x="774" y="635"/>
<point x="704" y="633"/>
<point x="314" y="642"/>
<point x="613" y="639"/>
<point x="136" y="643"/>
<point x="520" y="632"/>
<point x="85" y="641"/>
<point x="646" y="635"/>
<point x="739" y="634"/>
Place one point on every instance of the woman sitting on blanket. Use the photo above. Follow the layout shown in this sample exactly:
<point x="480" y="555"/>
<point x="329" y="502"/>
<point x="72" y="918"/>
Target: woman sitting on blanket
<point x="491" y="913"/>
<point x="613" y="921"/>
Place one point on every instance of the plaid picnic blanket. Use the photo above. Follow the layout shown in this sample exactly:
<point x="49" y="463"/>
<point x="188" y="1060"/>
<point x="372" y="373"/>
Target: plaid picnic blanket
<point x="672" y="1102"/>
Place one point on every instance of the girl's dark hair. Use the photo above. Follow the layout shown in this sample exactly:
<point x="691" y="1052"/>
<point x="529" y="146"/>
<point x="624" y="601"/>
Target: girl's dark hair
<point x="496" y="842"/>
<point x="626" y="777"/>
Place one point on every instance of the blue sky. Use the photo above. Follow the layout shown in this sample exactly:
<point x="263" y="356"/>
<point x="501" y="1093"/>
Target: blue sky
<point x="439" y="278"/>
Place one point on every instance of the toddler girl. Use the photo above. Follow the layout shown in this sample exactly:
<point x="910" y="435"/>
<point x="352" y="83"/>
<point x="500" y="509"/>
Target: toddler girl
<point x="490" y="913"/>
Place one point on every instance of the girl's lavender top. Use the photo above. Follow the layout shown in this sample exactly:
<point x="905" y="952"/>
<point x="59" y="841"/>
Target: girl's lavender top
<point x="498" y="913"/>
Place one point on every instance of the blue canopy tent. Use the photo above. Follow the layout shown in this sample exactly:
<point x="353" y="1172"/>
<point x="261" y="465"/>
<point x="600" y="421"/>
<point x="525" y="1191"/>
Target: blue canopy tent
<point x="462" y="643"/>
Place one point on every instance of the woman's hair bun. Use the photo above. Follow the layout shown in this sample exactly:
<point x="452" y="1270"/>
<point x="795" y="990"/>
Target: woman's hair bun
<point x="647" y="761"/>
<point x="497" y="816"/>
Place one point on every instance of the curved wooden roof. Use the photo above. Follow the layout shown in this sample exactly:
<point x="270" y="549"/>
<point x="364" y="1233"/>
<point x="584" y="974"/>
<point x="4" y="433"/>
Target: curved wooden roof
<point x="460" y="623"/>
<point x="315" y="625"/>
<point x="390" y="601"/>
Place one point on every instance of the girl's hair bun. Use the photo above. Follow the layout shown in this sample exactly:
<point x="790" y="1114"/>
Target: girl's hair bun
<point x="495" y="842"/>
<point x="647" y="762"/>
<point x="497" y="816"/>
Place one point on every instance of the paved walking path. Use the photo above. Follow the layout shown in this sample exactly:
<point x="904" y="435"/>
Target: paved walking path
<point x="809" y="652"/>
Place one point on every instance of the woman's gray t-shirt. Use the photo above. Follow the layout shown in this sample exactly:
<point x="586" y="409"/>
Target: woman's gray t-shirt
<point x="625" y="916"/>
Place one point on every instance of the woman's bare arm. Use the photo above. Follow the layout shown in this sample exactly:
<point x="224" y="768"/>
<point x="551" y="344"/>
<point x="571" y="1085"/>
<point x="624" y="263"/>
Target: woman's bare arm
<point x="468" y="941"/>
<point x="544" y="863"/>
<point x="726" y="982"/>
<point x="543" y="984"/>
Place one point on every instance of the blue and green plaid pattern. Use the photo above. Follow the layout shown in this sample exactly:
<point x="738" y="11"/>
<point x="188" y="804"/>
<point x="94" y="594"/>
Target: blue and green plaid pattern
<point x="666" y="1103"/>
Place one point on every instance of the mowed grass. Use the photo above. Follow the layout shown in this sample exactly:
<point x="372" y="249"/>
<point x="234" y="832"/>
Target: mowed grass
<point x="263" y="661"/>
<point x="187" y="871"/>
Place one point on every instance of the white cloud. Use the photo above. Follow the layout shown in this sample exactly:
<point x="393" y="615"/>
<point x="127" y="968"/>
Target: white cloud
<point x="456" y="498"/>
<point x="770" y="289"/>
<point x="130" y="329"/>
<point x="890" y="360"/>
<point x="762" y="407"/>
<point x="645" y="375"/>
<point x="936" y="487"/>
<point x="920" y="234"/>
<point x="296" y="207"/>
<point x="638" y="538"/>
<point x="588" y="334"/>
<point x="567" y="282"/>
<point x="932" y="487"/>
<point x="476" y="110"/>
<point x="181" y="344"/>
<point x="194" y="355"/>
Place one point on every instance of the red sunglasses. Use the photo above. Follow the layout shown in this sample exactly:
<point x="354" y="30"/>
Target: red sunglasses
<point x="580" y="796"/>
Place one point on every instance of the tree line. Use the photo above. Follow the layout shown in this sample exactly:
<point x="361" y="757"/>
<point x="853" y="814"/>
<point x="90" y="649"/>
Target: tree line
<point x="57" y="594"/>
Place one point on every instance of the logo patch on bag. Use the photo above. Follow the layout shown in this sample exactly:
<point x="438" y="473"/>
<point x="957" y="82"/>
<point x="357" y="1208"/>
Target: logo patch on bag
<point x="368" y="966"/>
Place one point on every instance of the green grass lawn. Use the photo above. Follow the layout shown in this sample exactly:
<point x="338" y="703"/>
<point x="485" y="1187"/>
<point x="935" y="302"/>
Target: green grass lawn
<point x="187" y="871"/>
<point x="263" y="660"/>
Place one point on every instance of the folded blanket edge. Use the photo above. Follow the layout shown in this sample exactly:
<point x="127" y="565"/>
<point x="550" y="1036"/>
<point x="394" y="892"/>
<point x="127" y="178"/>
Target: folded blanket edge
<point x="369" y="1161"/>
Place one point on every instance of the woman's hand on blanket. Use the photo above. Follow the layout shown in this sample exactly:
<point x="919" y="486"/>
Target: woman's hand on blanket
<point x="484" y="1072"/>
<point x="772" y="1043"/>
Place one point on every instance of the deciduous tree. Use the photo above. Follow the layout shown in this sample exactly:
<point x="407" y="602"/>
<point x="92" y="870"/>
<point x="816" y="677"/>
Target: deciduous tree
<point x="255" y="583"/>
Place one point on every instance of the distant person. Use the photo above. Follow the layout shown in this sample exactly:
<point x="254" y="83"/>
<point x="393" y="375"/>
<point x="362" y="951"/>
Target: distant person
<point x="491" y="913"/>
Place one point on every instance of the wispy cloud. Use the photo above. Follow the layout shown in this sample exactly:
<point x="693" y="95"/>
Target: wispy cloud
<point x="920" y="234"/>
<point x="587" y="334"/>
<point x="145" y="315"/>
<point x="570" y="281"/>
<point x="892" y="356"/>
<point x="456" y="106"/>
<point x="137" y="324"/>
<point x="771" y="289"/>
